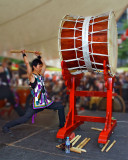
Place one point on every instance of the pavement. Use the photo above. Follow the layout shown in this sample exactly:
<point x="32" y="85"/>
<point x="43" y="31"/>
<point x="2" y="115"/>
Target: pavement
<point x="38" y="141"/>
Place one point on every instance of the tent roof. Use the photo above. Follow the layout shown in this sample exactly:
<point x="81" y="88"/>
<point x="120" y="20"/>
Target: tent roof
<point x="34" y="24"/>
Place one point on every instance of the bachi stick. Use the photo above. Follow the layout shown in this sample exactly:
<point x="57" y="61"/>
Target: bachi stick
<point x="76" y="141"/>
<point x="73" y="149"/>
<point x="74" y="138"/>
<point x="58" y="146"/>
<point x="85" y="143"/>
<point x="105" y="146"/>
<point x="26" y="51"/>
<point x="110" y="146"/>
<point x="97" y="129"/>
<point x="81" y="143"/>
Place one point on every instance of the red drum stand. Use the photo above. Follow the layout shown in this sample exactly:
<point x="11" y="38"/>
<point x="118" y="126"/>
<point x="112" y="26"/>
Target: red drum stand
<point x="73" y="120"/>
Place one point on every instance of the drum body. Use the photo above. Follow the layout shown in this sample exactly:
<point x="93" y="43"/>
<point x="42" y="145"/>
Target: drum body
<point x="118" y="104"/>
<point x="23" y="93"/>
<point x="86" y="42"/>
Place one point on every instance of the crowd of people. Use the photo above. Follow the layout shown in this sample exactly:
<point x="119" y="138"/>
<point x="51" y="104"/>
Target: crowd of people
<point x="89" y="82"/>
<point x="56" y="88"/>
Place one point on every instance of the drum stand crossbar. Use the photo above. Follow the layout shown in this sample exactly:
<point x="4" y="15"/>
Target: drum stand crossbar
<point x="73" y="120"/>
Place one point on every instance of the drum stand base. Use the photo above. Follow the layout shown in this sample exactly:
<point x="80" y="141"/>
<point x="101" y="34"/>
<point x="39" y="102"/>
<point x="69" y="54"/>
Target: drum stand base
<point x="73" y="120"/>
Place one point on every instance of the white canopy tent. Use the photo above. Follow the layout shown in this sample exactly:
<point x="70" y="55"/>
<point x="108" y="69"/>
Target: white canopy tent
<point x="34" y="24"/>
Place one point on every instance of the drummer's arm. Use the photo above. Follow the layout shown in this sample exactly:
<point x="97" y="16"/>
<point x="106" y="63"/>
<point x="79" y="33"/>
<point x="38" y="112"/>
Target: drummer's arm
<point x="44" y="66"/>
<point x="29" y="70"/>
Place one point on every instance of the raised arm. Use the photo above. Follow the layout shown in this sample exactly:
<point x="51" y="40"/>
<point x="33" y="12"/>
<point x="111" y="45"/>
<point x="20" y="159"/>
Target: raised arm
<point x="29" y="70"/>
<point x="44" y="66"/>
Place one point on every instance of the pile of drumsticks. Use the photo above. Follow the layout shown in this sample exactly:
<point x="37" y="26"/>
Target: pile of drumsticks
<point x="78" y="148"/>
<point x="111" y="145"/>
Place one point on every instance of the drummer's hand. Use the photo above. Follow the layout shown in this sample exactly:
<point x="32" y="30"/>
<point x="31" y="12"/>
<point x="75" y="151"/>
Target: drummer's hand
<point x="23" y="51"/>
<point x="37" y="53"/>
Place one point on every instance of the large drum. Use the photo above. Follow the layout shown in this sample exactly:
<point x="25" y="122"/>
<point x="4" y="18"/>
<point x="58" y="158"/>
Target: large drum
<point x="86" y="42"/>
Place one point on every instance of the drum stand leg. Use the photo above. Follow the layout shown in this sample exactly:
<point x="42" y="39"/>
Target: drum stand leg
<point x="71" y="124"/>
<point x="109" y="123"/>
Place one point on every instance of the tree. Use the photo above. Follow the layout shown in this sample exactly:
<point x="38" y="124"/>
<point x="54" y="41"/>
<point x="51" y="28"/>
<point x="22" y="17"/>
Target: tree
<point x="123" y="50"/>
<point x="123" y="47"/>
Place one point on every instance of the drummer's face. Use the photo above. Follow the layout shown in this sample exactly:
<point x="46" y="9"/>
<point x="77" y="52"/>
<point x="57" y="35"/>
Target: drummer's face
<point x="38" y="68"/>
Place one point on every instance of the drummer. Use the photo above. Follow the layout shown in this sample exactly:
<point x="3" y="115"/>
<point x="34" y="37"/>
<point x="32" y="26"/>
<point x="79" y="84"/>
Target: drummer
<point x="40" y="97"/>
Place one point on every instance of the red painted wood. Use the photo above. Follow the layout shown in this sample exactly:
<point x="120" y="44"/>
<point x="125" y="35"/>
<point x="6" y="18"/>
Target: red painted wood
<point x="73" y="120"/>
<point x="101" y="48"/>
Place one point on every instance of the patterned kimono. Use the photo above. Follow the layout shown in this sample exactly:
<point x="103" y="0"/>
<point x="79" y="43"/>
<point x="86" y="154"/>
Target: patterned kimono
<point x="39" y="93"/>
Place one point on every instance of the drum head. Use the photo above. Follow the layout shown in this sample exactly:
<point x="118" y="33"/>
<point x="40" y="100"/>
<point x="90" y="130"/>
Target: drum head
<point x="112" y="43"/>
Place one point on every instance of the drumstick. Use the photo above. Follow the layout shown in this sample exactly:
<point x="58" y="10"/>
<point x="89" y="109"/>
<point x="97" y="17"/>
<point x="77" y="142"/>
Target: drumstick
<point x="105" y="146"/>
<point x="26" y="51"/>
<point x="81" y="143"/>
<point x="85" y="143"/>
<point x="76" y="141"/>
<point x="97" y="129"/>
<point x="82" y="150"/>
<point x="110" y="146"/>
<point x="77" y="150"/>
<point x="74" y="138"/>
<point x="73" y="149"/>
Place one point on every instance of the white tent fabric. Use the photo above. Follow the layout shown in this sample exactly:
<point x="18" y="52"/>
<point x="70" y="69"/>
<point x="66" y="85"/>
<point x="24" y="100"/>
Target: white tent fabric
<point x="34" y="24"/>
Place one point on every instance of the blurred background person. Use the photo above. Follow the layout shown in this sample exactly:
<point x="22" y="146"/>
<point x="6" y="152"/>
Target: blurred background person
<point x="5" y="86"/>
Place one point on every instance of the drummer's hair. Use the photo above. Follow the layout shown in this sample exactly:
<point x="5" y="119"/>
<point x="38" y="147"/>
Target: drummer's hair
<point x="35" y="62"/>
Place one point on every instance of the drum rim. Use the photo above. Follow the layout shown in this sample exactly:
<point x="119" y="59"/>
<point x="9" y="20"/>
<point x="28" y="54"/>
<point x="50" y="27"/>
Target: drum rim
<point x="59" y="41"/>
<point x="112" y="71"/>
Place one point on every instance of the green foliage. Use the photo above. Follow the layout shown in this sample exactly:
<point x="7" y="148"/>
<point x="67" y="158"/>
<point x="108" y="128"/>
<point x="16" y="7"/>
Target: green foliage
<point x="123" y="50"/>
<point x="123" y="47"/>
<point x="16" y="61"/>
<point x="125" y="25"/>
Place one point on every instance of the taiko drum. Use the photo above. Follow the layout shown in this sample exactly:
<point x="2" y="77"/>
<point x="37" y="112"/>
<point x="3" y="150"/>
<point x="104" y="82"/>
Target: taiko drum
<point x="86" y="42"/>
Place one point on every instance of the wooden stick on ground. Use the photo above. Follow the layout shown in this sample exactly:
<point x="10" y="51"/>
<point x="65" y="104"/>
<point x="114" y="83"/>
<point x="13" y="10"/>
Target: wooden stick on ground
<point x="26" y="51"/>
<point x="110" y="146"/>
<point x="85" y="143"/>
<point x="97" y="129"/>
<point x="79" y="149"/>
<point x="82" y="150"/>
<point x="74" y="138"/>
<point x="75" y="149"/>
<point x="105" y="146"/>
<point x="81" y="143"/>
<point x="76" y="141"/>
<point x="72" y="149"/>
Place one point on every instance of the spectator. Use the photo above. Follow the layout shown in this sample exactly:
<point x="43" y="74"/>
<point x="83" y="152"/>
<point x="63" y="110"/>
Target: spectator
<point x="5" y="86"/>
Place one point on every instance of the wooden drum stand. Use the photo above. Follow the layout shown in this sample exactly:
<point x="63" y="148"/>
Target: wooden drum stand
<point x="73" y="120"/>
